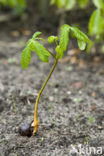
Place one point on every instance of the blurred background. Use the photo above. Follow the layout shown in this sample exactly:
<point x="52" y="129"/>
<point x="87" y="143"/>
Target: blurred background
<point x="46" y="14"/>
<point x="71" y="109"/>
<point x="27" y="16"/>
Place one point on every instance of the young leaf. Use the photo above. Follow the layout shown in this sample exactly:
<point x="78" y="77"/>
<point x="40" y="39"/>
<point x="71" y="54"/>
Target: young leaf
<point x="81" y="44"/>
<point x="51" y="39"/>
<point x="96" y="23"/>
<point x="4" y="2"/>
<point x="22" y="3"/>
<point x="52" y="2"/>
<point x="12" y="3"/>
<point x="59" y="52"/>
<point x="64" y="38"/>
<point x="79" y="35"/>
<point x="41" y="51"/>
<point x="70" y="4"/>
<point x="36" y="34"/>
<point x="60" y="3"/>
<point x="99" y="3"/>
<point x="25" y="57"/>
<point x="30" y="44"/>
<point x="82" y="3"/>
<point x="67" y="4"/>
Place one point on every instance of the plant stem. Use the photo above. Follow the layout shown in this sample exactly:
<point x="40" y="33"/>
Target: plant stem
<point x="36" y="122"/>
<point x="52" y="54"/>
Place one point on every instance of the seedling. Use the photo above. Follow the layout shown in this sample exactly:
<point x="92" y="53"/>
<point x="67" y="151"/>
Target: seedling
<point x="91" y="119"/>
<point x="33" y="45"/>
<point x="42" y="140"/>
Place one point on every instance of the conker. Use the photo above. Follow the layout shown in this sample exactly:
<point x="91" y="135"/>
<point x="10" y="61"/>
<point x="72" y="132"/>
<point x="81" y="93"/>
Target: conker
<point x="26" y="129"/>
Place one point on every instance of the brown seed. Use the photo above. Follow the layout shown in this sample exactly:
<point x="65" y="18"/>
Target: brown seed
<point x="25" y="130"/>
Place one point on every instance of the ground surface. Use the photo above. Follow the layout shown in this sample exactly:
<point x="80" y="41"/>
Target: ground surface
<point x="71" y="109"/>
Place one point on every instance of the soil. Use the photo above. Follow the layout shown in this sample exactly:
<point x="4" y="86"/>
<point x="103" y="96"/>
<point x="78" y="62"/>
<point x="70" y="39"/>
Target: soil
<point x="71" y="108"/>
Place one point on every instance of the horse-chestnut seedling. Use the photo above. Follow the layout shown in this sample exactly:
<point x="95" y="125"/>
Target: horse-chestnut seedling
<point x="33" y="45"/>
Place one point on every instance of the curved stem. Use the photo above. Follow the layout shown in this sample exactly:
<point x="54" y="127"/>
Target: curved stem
<point x="35" y="122"/>
<point x="52" y="54"/>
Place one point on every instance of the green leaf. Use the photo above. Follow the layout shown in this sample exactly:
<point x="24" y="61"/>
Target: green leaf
<point x="81" y="45"/>
<point x="51" y="39"/>
<point x="82" y="3"/>
<point x="96" y="23"/>
<point x="33" y="45"/>
<point x="25" y="57"/>
<point x="41" y="51"/>
<point x="80" y="35"/>
<point x="22" y="3"/>
<point x="30" y="44"/>
<point x="36" y="34"/>
<point x="64" y="39"/>
<point x="17" y="3"/>
<point x="99" y="3"/>
<point x="12" y="3"/>
<point x="66" y="4"/>
<point x="59" y="52"/>
<point x="4" y="2"/>
<point x="61" y="3"/>
<point x="70" y="4"/>
<point x="52" y="2"/>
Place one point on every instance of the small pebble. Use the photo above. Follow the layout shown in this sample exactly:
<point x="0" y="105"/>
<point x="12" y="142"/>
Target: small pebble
<point x="100" y="127"/>
<point x="51" y="98"/>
